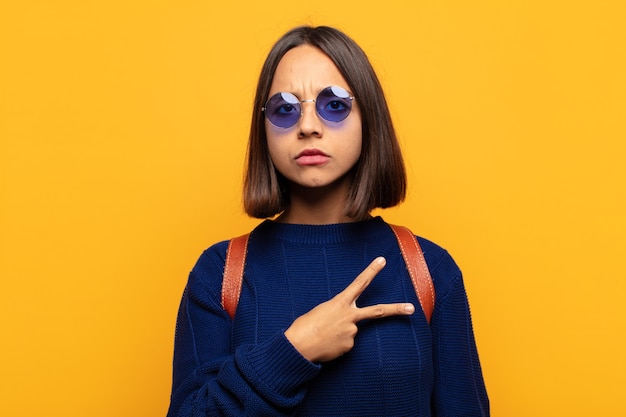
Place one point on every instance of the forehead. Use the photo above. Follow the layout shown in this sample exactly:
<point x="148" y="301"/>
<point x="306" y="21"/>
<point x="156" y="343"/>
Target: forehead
<point x="306" y="69"/>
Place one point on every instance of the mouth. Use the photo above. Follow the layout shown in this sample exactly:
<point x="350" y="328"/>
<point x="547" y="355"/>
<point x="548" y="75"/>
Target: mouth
<point x="310" y="157"/>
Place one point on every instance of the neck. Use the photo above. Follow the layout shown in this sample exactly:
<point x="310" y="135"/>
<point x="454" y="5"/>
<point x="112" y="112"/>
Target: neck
<point x="323" y="205"/>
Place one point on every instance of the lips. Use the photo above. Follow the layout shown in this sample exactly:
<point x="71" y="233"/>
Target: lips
<point x="310" y="157"/>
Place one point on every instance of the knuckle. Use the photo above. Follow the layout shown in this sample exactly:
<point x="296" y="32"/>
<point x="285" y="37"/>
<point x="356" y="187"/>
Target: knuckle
<point x="374" y="267"/>
<point x="361" y="283"/>
<point x="348" y="345"/>
<point x="378" y="311"/>
<point x="350" y="333"/>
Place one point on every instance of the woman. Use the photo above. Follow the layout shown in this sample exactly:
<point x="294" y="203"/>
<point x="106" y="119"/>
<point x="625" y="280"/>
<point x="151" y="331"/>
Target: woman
<point x="326" y="323"/>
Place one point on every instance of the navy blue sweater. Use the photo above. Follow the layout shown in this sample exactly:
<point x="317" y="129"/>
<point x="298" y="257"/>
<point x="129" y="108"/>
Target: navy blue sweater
<point x="399" y="366"/>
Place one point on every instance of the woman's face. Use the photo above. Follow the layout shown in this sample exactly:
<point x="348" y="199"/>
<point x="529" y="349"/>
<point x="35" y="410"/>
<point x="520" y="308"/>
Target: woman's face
<point x="313" y="152"/>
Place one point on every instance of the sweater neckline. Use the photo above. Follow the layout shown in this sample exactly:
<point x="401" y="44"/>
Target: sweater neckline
<point x="321" y="234"/>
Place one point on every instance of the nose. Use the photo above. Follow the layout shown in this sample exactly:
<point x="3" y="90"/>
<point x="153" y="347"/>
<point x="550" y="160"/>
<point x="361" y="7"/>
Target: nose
<point x="309" y="123"/>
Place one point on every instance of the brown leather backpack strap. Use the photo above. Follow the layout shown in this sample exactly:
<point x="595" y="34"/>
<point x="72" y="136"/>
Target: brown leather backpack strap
<point x="418" y="270"/>
<point x="233" y="273"/>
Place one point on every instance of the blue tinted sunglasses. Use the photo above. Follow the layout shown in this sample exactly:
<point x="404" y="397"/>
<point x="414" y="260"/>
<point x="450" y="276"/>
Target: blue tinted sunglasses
<point x="333" y="104"/>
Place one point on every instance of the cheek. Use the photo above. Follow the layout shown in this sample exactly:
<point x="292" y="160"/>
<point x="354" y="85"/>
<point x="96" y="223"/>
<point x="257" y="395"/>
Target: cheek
<point x="278" y="155"/>
<point x="273" y="140"/>
<point x="351" y="146"/>
<point x="356" y="139"/>
<point x="273" y="151"/>
<point x="357" y="148"/>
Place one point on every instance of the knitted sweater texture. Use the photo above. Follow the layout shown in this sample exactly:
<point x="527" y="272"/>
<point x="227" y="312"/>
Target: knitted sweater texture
<point x="399" y="366"/>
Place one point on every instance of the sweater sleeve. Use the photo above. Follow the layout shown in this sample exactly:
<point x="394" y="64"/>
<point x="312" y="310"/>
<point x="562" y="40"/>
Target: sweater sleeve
<point x="459" y="388"/>
<point x="213" y="379"/>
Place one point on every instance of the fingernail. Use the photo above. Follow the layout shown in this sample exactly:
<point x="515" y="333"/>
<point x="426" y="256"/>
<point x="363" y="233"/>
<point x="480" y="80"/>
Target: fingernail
<point x="409" y="308"/>
<point x="381" y="261"/>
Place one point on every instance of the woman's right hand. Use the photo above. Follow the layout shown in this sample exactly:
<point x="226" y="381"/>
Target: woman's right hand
<point x="328" y="330"/>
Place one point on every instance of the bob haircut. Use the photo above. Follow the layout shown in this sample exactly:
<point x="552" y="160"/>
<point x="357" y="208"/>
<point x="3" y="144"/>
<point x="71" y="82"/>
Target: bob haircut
<point x="378" y="177"/>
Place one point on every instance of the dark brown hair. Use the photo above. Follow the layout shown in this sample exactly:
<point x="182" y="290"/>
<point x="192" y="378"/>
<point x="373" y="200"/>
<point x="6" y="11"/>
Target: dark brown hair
<point x="379" y="178"/>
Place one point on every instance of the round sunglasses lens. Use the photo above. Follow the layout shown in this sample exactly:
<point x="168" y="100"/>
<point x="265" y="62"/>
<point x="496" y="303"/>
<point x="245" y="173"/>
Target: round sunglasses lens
<point x="283" y="110"/>
<point x="334" y="104"/>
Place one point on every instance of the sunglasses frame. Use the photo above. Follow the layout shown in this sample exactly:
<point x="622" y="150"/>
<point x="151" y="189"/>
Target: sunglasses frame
<point x="299" y="102"/>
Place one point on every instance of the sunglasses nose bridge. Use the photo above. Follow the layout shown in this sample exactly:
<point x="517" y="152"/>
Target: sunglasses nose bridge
<point x="309" y="119"/>
<point x="306" y="101"/>
<point x="312" y="100"/>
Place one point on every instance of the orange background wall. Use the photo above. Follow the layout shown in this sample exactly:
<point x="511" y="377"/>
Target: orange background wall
<point x="122" y="132"/>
